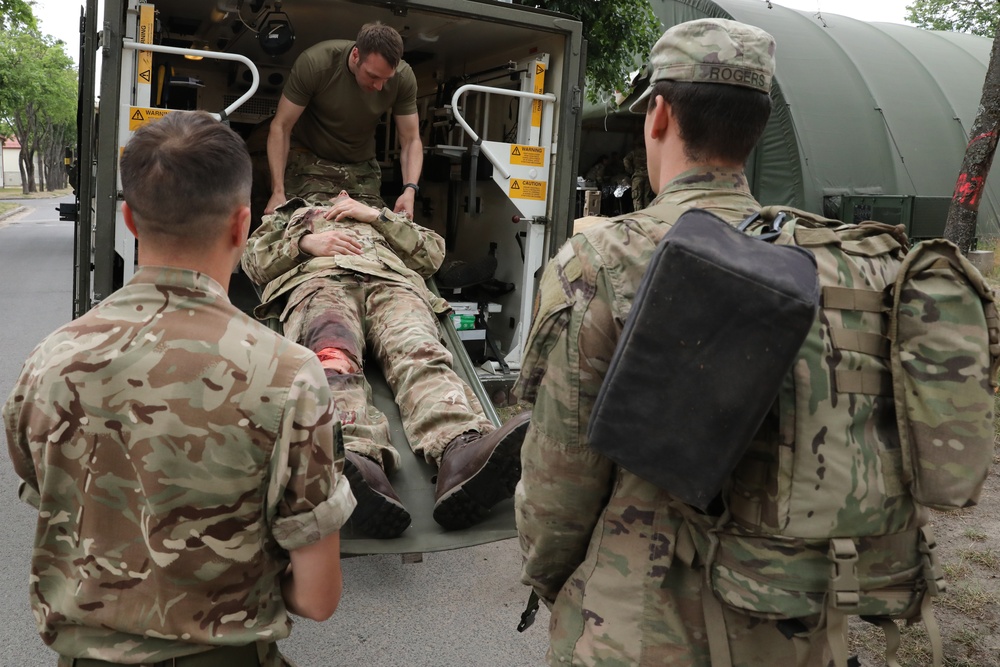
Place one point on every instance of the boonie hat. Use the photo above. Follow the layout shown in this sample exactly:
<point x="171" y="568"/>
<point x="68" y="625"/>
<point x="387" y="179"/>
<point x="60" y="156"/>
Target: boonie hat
<point x="711" y="51"/>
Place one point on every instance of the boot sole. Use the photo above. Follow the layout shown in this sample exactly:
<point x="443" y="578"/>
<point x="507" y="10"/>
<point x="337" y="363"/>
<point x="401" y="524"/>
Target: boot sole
<point x="470" y="502"/>
<point x="376" y="515"/>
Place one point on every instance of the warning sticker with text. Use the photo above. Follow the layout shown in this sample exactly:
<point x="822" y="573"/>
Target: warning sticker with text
<point x="139" y="116"/>
<point x="525" y="189"/>
<point x="145" y="64"/>
<point x="529" y="156"/>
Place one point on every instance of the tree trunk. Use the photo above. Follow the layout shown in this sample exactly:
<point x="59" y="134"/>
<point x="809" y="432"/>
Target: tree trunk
<point x="960" y="227"/>
<point x="53" y="158"/>
<point x="22" y="166"/>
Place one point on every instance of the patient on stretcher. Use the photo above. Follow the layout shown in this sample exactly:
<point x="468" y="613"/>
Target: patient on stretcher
<point x="346" y="277"/>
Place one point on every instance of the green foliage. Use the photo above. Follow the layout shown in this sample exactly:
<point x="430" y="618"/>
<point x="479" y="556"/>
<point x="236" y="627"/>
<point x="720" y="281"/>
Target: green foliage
<point x="976" y="16"/>
<point x="16" y="13"/>
<point x="619" y="34"/>
<point x="38" y="91"/>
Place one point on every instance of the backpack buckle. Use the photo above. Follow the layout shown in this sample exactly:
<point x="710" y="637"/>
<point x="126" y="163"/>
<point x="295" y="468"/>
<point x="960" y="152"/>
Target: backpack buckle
<point x="844" y="587"/>
<point x="771" y="230"/>
<point x="933" y="576"/>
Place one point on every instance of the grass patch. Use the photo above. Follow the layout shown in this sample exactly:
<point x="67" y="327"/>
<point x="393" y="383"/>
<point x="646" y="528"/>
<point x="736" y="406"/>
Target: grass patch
<point x="17" y="193"/>
<point x="988" y="558"/>
<point x="969" y="638"/>
<point x="975" y="534"/>
<point x="971" y="600"/>
<point x="953" y="571"/>
<point x="6" y="207"/>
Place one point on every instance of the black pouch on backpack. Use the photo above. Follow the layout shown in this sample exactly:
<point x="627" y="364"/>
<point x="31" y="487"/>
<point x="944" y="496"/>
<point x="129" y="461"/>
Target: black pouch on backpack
<point x="716" y="324"/>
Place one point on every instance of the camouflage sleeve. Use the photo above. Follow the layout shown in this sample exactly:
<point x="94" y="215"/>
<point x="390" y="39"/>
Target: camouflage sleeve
<point x="312" y="496"/>
<point x="420" y="249"/>
<point x="627" y="163"/>
<point x="564" y="483"/>
<point x="273" y="248"/>
<point x="18" y="444"/>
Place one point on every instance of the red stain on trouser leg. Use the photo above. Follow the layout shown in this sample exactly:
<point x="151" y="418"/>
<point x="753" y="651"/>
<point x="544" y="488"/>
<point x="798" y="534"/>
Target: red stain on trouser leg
<point x="334" y="344"/>
<point x="336" y="360"/>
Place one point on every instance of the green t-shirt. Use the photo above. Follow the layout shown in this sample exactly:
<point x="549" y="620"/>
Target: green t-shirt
<point x="339" y="120"/>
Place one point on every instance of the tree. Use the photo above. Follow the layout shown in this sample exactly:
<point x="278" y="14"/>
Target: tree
<point x="14" y="13"/>
<point x="38" y="100"/>
<point x="981" y="17"/>
<point x="960" y="227"/>
<point x="617" y="32"/>
<point x="976" y="16"/>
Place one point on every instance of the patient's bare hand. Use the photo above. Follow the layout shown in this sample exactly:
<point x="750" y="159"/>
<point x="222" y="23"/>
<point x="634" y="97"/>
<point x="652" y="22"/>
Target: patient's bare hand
<point x="345" y="207"/>
<point x="330" y="243"/>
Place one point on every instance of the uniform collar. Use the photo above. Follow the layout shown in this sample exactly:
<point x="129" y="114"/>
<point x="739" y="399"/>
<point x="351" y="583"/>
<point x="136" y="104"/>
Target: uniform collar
<point x="186" y="278"/>
<point x="706" y="178"/>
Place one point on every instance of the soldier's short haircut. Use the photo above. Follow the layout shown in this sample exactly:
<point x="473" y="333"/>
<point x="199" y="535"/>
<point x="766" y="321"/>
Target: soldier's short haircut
<point x="183" y="174"/>
<point x="716" y="121"/>
<point x="381" y="39"/>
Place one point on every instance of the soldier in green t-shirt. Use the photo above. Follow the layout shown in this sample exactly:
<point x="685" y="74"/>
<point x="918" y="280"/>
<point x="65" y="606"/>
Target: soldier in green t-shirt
<point x="322" y="137"/>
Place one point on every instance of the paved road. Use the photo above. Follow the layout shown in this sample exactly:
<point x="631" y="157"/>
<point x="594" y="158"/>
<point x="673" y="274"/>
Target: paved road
<point x="456" y="608"/>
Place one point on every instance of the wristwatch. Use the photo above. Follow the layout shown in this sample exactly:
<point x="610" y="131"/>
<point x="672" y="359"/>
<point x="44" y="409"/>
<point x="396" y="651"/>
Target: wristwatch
<point x="416" y="188"/>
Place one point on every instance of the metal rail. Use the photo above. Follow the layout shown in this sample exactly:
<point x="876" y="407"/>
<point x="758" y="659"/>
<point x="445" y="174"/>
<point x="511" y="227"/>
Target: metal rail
<point x="213" y="55"/>
<point x="472" y="87"/>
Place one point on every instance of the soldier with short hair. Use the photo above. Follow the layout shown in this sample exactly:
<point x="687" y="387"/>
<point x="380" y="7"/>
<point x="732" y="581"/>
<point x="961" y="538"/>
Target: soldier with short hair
<point x="322" y="137"/>
<point x="604" y="549"/>
<point x="182" y="457"/>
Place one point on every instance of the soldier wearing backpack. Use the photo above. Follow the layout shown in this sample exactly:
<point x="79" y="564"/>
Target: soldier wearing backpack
<point x="885" y="412"/>
<point x="600" y="544"/>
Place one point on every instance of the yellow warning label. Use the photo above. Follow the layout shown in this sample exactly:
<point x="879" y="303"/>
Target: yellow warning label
<point x="539" y="89"/>
<point x="145" y="64"/>
<point x="525" y="189"/>
<point x="529" y="156"/>
<point x="139" y="116"/>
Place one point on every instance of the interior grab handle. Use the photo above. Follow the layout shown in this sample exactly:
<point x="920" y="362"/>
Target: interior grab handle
<point x="473" y="87"/>
<point x="214" y="55"/>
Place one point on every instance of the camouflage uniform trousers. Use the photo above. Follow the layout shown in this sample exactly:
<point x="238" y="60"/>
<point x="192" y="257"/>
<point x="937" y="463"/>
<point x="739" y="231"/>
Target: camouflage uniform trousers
<point x="317" y="180"/>
<point x="354" y="312"/>
<point x="641" y="192"/>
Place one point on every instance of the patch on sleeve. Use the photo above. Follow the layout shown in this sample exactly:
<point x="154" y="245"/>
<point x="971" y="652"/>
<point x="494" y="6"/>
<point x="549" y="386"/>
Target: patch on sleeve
<point x="570" y="263"/>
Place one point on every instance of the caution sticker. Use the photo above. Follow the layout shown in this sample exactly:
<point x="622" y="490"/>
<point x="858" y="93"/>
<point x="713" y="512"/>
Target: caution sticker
<point x="529" y="156"/>
<point x="139" y="116"/>
<point x="524" y="189"/>
<point x="145" y="65"/>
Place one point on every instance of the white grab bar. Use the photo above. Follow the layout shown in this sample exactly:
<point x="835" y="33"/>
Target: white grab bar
<point x="472" y="87"/>
<point x="215" y="55"/>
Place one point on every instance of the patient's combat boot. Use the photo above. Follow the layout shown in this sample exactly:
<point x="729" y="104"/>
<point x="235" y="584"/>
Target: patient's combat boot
<point x="380" y="512"/>
<point x="478" y="471"/>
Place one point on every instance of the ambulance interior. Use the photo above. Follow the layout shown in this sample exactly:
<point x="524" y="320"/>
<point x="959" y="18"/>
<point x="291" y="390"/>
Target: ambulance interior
<point x="463" y="197"/>
<point x="446" y="51"/>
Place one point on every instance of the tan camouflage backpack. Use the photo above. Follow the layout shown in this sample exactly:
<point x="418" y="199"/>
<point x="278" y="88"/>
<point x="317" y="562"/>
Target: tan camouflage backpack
<point x="888" y="410"/>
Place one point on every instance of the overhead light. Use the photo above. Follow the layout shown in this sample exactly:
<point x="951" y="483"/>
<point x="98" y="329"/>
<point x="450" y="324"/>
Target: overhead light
<point x="276" y="35"/>
<point x="191" y="56"/>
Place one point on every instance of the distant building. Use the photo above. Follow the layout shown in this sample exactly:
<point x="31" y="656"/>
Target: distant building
<point x="10" y="174"/>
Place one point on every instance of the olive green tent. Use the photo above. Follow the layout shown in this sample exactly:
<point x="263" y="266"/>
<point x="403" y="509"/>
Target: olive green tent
<point x="870" y="119"/>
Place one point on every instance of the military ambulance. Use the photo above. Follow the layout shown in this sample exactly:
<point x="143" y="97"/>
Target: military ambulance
<point x="499" y="101"/>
